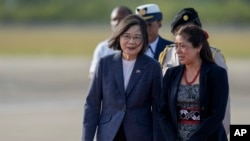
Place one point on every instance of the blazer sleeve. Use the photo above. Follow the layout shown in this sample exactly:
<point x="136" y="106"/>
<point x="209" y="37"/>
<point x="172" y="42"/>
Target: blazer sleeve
<point x="221" y="61"/>
<point x="218" y="89"/>
<point x="165" y="120"/>
<point x="92" y="105"/>
<point x="156" y="88"/>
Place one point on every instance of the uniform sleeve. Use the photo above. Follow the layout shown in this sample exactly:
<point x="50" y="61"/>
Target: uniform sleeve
<point x="96" y="57"/>
<point x="219" y="58"/>
<point x="170" y="59"/>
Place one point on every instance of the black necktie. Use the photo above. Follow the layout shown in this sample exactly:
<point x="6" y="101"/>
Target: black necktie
<point x="151" y="49"/>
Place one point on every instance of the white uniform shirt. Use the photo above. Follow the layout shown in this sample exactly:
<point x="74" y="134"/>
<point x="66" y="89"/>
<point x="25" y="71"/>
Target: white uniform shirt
<point x="153" y="46"/>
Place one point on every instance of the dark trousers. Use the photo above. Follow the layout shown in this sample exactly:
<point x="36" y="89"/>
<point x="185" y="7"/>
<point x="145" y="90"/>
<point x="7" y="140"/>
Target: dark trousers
<point x="120" y="135"/>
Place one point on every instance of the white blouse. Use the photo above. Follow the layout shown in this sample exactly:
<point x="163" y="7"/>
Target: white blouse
<point x="127" y="70"/>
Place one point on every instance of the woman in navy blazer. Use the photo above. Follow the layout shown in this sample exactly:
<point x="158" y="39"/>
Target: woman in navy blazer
<point x="121" y="101"/>
<point x="194" y="93"/>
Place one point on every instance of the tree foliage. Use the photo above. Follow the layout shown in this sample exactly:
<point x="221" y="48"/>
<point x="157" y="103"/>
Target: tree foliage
<point x="26" y="11"/>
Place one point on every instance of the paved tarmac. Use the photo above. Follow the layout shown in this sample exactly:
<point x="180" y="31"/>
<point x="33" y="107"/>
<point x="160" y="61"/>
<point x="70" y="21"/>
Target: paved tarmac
<point x="41" y="98"/>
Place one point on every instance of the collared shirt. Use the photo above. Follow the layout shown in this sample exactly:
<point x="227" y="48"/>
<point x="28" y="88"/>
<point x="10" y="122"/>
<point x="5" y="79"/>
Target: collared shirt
<point x="153" y="45"/>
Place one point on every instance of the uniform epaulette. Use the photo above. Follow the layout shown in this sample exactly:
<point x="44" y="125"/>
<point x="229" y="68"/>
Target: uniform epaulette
<point x="164" y="53"/>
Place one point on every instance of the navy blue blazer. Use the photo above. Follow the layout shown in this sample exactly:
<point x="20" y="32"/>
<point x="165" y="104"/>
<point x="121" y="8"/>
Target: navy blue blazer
<point x="162" y="43"/>
<point x="108" y="104"/>
<point x="213" y="91"/>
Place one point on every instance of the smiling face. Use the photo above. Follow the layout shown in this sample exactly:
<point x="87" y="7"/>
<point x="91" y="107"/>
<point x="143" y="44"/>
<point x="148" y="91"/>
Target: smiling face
<point x="185" y="51"/>
<point x="131" y="42"/>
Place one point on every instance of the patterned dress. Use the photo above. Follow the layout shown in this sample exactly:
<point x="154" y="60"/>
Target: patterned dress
<point x="188" y="105"/>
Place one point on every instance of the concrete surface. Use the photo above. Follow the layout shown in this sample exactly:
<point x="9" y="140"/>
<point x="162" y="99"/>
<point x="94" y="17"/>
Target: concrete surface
<point x="41" y="98"/>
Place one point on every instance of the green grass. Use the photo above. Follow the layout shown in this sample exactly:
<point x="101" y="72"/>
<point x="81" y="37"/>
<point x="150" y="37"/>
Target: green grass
<point x="51" y="40"/>
<point x="81" y="40"/>
<point x="233" y="44"/>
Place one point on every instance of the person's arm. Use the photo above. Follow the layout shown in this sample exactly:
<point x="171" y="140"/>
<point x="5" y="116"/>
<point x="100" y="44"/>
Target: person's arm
<point x="156" y="89"/>
<point x="167" y="126"/>
<point x="219" y="58"/>
<point x="92" y="106"/>
<point x="96" y="57"/>
<point x="221" y="61"/>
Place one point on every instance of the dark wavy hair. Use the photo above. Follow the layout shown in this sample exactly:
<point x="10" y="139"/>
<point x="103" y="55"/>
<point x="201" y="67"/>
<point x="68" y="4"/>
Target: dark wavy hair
<point x="124" y="25"/>
<point x="197" y="36"/>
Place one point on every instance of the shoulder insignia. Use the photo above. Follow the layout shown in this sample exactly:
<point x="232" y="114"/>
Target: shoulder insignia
<point x="163" y="54"/>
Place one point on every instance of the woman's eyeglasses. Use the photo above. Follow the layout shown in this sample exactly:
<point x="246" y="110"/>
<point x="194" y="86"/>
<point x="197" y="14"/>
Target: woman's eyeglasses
<point x="126" y="37"/>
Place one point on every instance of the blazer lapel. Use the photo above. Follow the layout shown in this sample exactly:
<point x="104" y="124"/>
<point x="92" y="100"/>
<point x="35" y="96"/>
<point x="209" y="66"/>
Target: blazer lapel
<point x="203" y="80"/>
<point x="136" y="74"/>
<point x="176" y="81"/>
<point x="173" y="99"/>
<point x="118" y="72"/>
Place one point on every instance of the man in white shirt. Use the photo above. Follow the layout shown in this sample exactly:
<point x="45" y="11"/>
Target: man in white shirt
<point x="102" y="49"/>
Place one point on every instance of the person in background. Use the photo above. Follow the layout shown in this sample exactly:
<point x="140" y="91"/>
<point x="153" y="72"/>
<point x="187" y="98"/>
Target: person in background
<point x="121" y="101"/>
<point x="195" y="93"/>
<point x="168" y="58"/>
<point x="153" y="16"/>
<point x="102" y="49"/>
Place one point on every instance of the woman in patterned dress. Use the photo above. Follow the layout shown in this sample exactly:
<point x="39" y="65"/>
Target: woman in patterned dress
<point x="195" y="93"/>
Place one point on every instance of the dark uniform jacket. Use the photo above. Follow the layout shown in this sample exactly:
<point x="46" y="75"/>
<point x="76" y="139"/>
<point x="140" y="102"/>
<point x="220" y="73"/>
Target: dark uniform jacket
<point x="213" y="91"/>
<point x="162" y="43"/>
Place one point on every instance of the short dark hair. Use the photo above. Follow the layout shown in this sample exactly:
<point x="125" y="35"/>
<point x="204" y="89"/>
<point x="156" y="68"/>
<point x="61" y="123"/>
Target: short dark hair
<point x="124" y="25"/>
<point x="124" y="9"/>
<point x="197" y="36"/>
